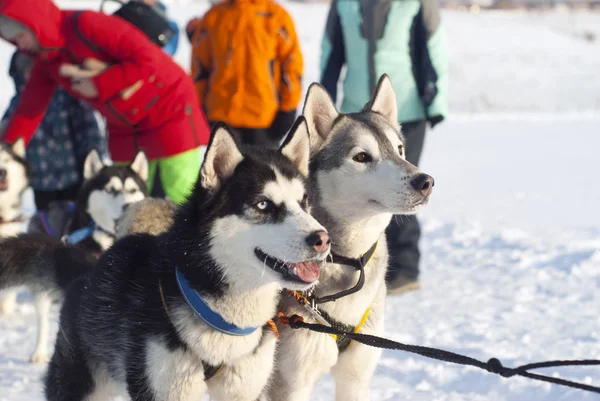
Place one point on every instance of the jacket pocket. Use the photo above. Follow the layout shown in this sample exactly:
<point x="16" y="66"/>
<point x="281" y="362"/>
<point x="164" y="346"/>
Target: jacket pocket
<point x="135" y="102"/>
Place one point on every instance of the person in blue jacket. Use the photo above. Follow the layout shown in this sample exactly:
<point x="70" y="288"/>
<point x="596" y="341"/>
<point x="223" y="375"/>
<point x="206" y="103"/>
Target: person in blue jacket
<point x="403" y="39"/>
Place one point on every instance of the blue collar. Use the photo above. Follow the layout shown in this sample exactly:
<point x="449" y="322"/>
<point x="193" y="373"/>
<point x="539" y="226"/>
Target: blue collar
<point x="83" y="233"/>
<point x="203" y="311"/>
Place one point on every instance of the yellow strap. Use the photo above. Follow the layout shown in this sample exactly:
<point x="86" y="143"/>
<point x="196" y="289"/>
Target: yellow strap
<point x="164" y="301"/>
<point x="363" y="320"/>
<point x="373" y="254"/>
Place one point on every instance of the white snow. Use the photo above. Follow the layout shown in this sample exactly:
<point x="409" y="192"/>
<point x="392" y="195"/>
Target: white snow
<point x="511" y="244"/>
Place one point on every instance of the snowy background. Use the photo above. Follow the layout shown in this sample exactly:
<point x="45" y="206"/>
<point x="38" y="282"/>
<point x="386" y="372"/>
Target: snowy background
<point x="511" y="245"/>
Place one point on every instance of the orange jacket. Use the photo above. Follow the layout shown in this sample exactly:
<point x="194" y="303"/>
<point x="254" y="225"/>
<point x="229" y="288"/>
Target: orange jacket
<point x="246" y="62"/>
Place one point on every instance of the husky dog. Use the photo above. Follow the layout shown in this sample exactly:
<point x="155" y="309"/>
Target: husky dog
<point x="91" y="223"/>
<point x="14" y="180"/>
<point x="159" y="315"/>
<point x="33" y="261"/>
<point x="362" y="179"/>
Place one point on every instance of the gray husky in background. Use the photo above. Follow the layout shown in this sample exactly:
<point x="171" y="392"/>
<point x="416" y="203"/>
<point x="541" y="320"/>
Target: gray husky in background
<point x="362" y="179"/>
<point x="174" y="316"/>
<point x="37" y="260"/>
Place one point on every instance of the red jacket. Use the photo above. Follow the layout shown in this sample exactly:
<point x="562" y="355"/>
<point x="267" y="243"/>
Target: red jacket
<point x="163" y="115"/>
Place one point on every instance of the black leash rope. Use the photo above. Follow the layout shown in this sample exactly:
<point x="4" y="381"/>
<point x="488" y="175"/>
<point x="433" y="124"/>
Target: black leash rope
<point x="493" y="365"/>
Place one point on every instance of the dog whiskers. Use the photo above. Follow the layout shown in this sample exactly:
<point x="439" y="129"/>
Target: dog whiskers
<point x="264" y="268"/>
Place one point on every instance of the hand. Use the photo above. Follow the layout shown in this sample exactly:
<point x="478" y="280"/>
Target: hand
<point x="85" y="87"/>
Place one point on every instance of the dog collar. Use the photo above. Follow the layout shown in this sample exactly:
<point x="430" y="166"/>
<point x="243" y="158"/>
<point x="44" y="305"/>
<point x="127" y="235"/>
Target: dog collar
<point x="83" y="233"/>
<point x="203" y="311"/>
<point x="358" y="263"/>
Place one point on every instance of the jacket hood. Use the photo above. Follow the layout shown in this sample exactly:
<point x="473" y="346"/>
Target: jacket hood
<point x="42" y="17"/>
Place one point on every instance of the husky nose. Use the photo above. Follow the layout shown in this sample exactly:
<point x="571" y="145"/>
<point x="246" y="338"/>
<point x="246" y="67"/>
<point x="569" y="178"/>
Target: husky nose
<point x="3" y="173"/>
<point x="423" y="183"/>
<point x="319" y="241"/>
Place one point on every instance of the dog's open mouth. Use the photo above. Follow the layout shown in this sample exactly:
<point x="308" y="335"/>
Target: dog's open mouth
<point x="3" y="184"/>
<point x="304" y="272"/>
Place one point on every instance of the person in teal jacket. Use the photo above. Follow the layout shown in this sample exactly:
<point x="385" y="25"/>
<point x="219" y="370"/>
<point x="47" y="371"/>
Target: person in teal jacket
<point x="403" y="39"/>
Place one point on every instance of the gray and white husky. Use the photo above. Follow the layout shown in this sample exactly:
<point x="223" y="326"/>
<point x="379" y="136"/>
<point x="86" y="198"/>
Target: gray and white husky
<point x="14" y="181"/>
<point x="36" y="261"/>
<point x="174" y="316"/>
<point x="362" y="179"/>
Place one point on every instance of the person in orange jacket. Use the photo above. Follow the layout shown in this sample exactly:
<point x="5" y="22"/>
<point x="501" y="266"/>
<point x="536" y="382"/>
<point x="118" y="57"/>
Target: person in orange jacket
<point x="247" y="67"/>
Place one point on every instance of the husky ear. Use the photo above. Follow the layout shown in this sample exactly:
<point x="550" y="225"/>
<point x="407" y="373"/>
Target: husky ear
<point x="320" y="113"/>
<point x="18" y="147"/>
<point x="140" y="165"/>
<point x="384" y="100"/>
<point x="221" y="159"/>
<point x="92" y="165"/>
<point x="297" y="146"/>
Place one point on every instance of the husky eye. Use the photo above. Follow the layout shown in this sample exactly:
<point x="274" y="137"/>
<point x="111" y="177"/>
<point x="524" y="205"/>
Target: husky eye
<point x="304" y="202"/>
<point x="132" y="191"/>
<point x="362" y="157"/>
<point x="265" y="206"/>
<point x="111" y="190"/>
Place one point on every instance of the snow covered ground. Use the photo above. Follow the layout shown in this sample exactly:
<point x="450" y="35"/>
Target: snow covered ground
<point x="511" y="245"/>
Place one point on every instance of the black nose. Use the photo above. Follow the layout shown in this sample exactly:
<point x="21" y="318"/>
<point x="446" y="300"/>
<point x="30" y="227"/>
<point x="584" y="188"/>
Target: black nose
<point x="423" y="183"/>
<point x="3" y="173"/>
<point x="319" y="241"/>
<point x="126" y="206"/>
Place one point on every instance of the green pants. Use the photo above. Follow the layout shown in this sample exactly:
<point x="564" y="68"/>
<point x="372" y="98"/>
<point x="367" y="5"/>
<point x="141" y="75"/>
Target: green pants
<point x="177" y="173"/>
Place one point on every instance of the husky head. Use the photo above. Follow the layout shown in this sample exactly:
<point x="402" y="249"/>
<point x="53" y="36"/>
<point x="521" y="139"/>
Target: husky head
<point x="247" y="222"/>
<point x="108" y="189"/>
<point x="13" y="179"/>
<point x="358" y="159"/>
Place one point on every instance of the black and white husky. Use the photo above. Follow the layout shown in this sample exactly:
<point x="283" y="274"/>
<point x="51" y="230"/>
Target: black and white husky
<point x="36" y="260"/>
<point x="14" y="180"/>
<point x="362" y="179"/>
<point x="175" y="316"/>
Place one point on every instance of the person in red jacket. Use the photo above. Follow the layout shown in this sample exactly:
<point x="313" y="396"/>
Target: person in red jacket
<point x="149" y="102"/>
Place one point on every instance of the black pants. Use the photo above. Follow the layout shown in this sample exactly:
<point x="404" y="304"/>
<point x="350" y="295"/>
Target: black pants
<point x="44" y="198"/>
<point x="404" y="232"/>
<point x="268" y="137"/>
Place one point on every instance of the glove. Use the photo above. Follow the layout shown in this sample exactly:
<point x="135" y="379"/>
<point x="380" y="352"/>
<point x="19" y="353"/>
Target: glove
<point x="435" y="120"/>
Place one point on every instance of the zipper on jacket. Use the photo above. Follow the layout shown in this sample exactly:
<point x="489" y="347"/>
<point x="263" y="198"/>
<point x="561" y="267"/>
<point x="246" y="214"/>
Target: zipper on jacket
<point x="229" y="48"/>
<point x="271" y="67"/>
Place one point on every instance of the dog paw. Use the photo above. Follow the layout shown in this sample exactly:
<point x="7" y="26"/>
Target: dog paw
<point x="39" y="358"/>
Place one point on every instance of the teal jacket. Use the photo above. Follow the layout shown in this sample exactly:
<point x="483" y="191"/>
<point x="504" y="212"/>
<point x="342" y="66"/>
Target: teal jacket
<point x="402" y="38"/>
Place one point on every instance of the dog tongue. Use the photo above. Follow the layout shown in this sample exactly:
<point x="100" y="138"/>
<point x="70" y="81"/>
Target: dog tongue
<point x="307" y="271"/>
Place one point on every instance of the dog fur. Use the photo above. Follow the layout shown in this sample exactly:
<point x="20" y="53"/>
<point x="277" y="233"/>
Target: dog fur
<point x="116" y="333"/>
<point x="362" y="179"/>
<point x="151" y="216"/>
